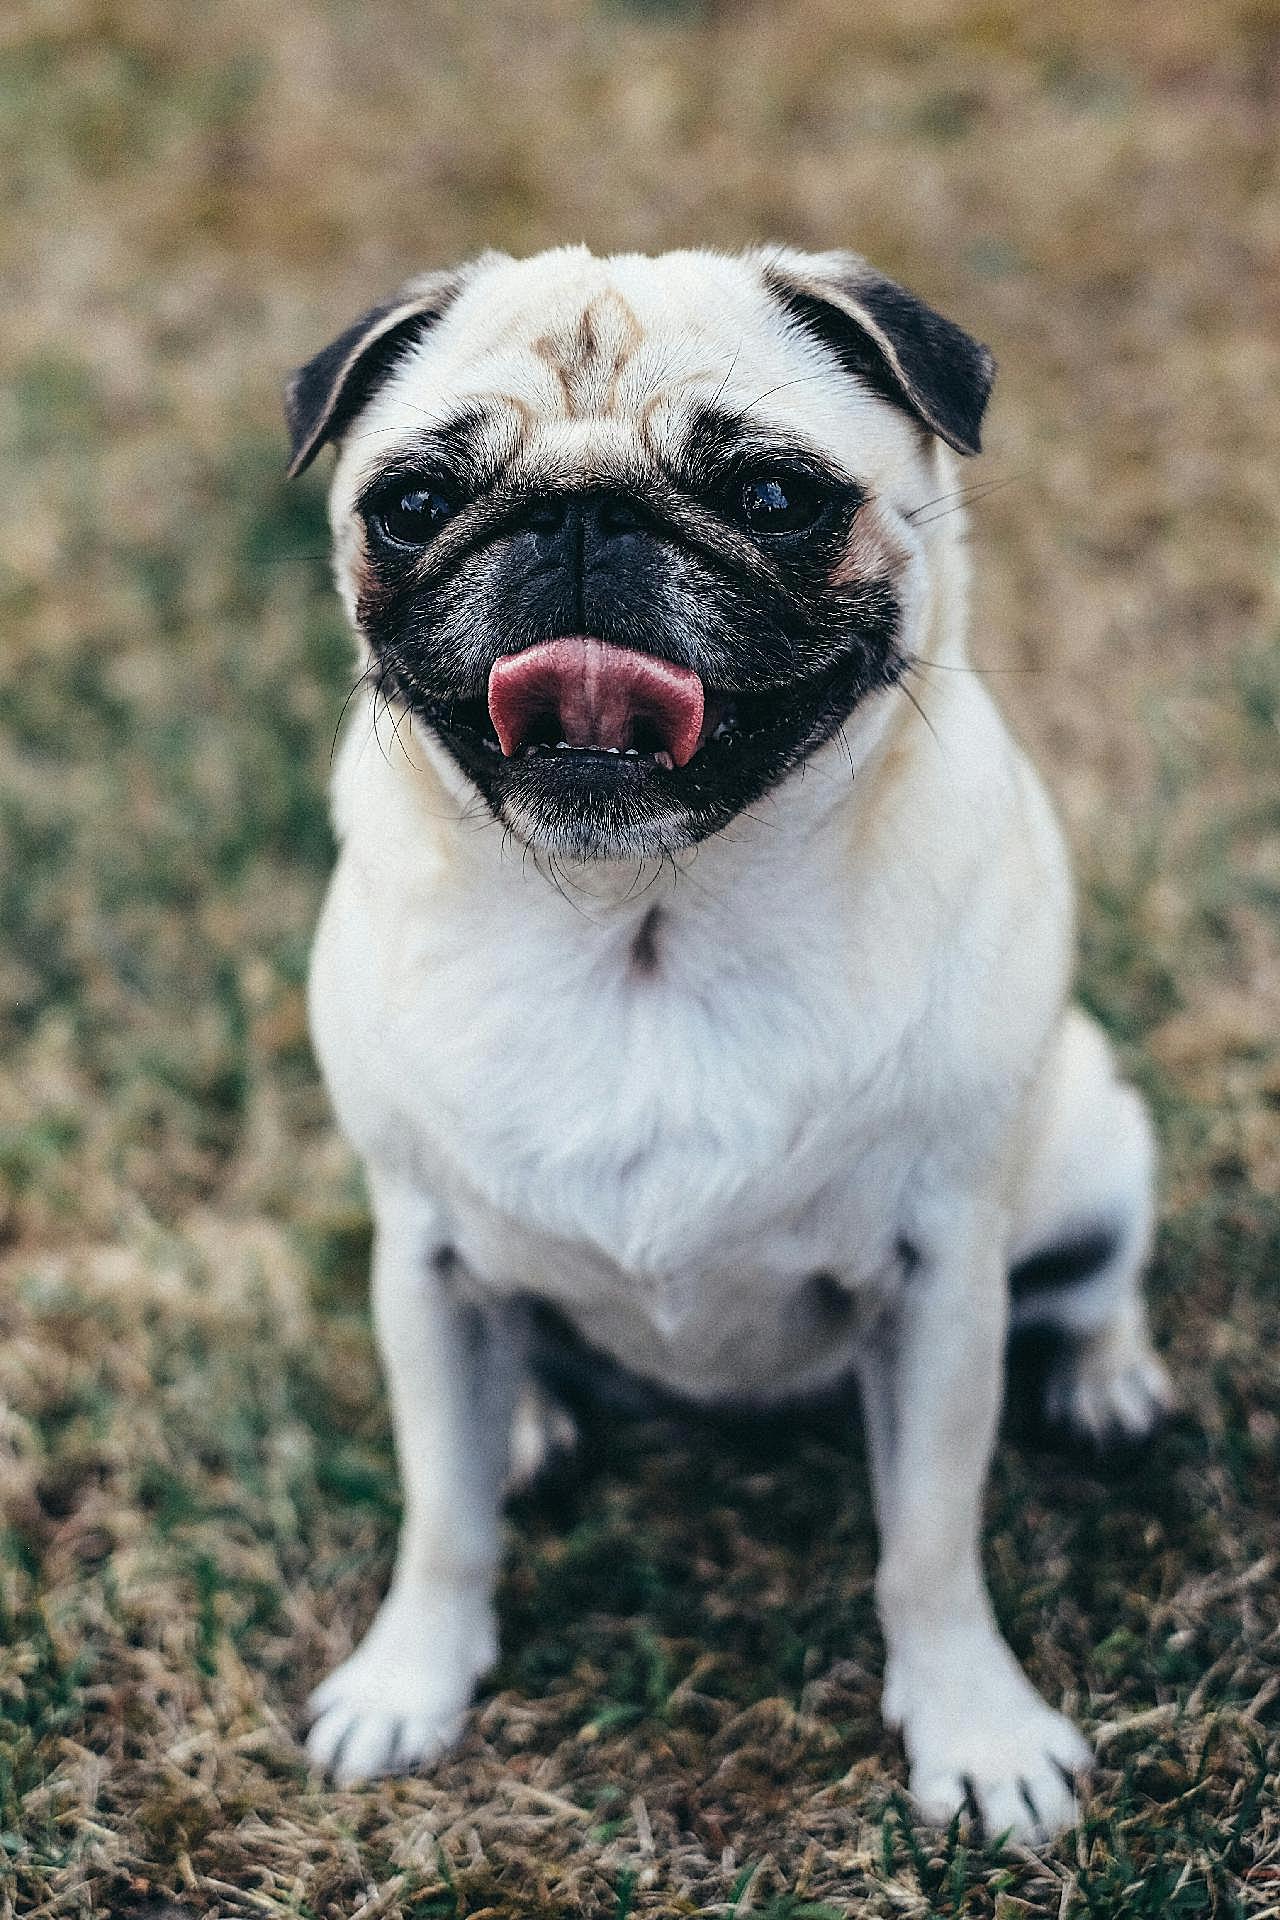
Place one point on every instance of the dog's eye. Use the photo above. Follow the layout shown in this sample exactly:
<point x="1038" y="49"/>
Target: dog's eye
<point x="408" y="516"/>
<point x="778" y="502"/>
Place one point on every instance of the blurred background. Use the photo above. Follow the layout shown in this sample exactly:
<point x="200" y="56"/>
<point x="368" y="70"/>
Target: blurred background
<point x="194" y="1461"/>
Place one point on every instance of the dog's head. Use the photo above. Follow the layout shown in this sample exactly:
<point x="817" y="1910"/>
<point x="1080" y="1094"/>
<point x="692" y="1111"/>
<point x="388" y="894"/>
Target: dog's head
<point x="633" y="537"/>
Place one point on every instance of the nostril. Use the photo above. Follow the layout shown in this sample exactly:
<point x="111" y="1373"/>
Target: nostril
<point x="615" y="515"/>
<point x="578" y="520"/>
<point x="546" y="516"/>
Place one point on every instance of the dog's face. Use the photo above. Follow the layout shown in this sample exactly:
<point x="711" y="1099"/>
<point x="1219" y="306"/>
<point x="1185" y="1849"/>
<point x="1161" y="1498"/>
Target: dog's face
<point x="633" y="537"/>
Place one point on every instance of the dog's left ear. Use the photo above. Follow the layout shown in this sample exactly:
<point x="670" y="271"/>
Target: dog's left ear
<point x="324" y="396"/>
<point x="889" y="338"/>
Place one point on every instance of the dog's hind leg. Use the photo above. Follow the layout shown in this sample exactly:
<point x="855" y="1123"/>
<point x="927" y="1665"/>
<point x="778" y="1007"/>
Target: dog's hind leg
<point x="542" y="1432"/>
<point x="1084" y="1225"/>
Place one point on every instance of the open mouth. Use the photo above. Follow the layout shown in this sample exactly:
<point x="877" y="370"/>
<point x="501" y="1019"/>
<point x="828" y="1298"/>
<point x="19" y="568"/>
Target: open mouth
<point x="587" y="737"/>
<point x="586" y="700"/>
<point x="581" y="694"/>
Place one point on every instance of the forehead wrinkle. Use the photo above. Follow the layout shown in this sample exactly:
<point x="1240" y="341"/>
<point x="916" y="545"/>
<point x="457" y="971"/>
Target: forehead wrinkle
<point x="712" y="442"/>
<point x="478" y="444"/>
<point x="582" y="443"/>
<point x="789" y="391"/>
<point x="773" y="390"/>
<point x="589" y="351"/>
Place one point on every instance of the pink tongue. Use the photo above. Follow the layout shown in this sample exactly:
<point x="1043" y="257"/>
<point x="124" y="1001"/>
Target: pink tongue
<point x="596" y="693"/>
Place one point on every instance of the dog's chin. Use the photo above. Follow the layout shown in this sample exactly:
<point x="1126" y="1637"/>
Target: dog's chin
<point x="582" y="805"/>
<point x="593" y="804"/>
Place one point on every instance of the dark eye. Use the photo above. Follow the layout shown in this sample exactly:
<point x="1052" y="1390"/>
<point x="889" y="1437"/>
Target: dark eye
<point x="779" y="502"/>
<point x="408" y="516"/>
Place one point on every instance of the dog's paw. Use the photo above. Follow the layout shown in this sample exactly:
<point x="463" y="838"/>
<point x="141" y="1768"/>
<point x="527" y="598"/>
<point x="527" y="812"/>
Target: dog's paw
<point x="399" y="1702"/>
<point x="542" y="1431"/>
<point x="982" y="1743"/>
<point x="1108" y="1394"/>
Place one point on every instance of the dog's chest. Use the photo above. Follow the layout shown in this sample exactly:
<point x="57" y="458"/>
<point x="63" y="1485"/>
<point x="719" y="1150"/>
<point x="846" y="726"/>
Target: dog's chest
<point x="674" y="1149"/>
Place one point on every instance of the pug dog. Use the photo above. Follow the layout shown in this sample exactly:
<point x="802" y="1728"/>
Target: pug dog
<point x="695" y="972"/>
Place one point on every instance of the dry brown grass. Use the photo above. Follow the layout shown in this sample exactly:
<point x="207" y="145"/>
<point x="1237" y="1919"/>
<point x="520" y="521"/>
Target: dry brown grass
<point x="193" y="1454"/>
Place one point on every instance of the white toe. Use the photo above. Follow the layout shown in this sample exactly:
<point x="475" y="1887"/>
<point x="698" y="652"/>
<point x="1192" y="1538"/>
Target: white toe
<point x="1030" y="1797"/>
<point x="982" y="1743"/>
<point x="1112" y="1391"/>
<point x="352" y="1746"/>
<point x="400" y="1700"/>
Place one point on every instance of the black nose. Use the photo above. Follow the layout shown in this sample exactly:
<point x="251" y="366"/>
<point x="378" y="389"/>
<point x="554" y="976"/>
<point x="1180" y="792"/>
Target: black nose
<point x="582" y="561"/>
<point x="581" y="530"/>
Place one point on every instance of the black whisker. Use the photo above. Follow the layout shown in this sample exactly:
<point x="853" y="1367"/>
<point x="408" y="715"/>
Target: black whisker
<point x="729" y="375"/>
<point x="918" y="660"/>
<point x="920" y="710"/>
<point x="962" y="497"/>
<point x="371" y="669"/>
<point x="784" y="386"/>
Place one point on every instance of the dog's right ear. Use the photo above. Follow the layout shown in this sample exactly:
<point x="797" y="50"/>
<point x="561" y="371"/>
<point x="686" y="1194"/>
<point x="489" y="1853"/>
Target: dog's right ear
<point x="324" y="396"/>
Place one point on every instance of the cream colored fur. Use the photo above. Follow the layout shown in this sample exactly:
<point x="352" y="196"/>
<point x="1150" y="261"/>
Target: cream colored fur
<point x="855" y="1058"/>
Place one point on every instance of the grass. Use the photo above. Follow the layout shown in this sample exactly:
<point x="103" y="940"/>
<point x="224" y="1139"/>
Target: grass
<point x="195" y="1477"/>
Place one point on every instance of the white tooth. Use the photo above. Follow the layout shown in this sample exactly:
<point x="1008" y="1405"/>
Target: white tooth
<point x="561" y="743"/>
<point x="613" y="749"/>
<point x="664" y="760"/>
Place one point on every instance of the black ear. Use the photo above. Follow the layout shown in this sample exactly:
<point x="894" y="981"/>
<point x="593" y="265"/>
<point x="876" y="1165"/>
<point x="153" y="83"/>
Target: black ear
<point x="324" y="396"/>
<point x="891" y="340"/>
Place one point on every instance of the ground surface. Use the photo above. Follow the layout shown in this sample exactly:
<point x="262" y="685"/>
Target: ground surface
<point x="194" y="1459"/>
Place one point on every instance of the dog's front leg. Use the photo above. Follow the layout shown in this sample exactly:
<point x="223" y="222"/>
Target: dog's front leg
<point x="452" y="1372"/>
<point x="978" y="1736"/>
